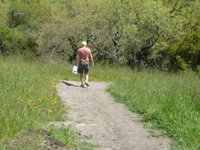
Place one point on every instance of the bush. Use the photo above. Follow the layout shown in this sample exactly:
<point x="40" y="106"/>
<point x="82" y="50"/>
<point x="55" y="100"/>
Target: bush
<point x="9" y="40"/>
<point x="12" y="42"/>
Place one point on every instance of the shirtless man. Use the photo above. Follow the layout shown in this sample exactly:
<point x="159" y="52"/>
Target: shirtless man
<point x="83" y="57"/>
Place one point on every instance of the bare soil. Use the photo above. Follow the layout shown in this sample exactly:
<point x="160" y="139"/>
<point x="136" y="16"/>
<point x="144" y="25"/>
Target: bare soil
<point x="100" y="120"/>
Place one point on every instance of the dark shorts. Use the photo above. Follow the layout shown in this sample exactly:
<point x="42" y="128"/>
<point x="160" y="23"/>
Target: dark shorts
<point x="83" y="67"/>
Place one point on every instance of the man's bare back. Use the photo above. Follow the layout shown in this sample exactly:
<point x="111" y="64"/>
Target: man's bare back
<point x="84" y="54"/>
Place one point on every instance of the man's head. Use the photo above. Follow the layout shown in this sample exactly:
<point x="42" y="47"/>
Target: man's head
<point x="84" y="43"/>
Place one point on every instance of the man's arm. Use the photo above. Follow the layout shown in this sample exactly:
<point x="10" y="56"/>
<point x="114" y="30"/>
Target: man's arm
<point x="77" y="59"/>
<point x="91" y="58"/>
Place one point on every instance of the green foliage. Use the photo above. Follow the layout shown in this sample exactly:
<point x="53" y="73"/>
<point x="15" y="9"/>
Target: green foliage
<point x="161" y="34"/>
<point x="9" y="40"/>
<point x="185" y="44"/>
<point x="3" y="13"/>
<point x="12" y="42"/>
<point x="21" y="13"/>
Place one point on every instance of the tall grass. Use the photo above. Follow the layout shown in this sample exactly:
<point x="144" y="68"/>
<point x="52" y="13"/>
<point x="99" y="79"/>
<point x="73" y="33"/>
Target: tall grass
<point x="170" y="102"/>
<point x="29" y="101"/>
<point x="27" y="94"/>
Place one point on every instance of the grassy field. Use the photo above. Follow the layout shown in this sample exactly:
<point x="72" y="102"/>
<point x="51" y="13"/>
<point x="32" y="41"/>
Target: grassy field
<point x="170" y="102"/>
<point x="29" y="102"/>
<point x="28" y="99"/>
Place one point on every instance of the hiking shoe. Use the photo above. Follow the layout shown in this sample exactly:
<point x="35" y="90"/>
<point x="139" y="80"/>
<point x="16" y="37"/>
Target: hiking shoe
<point x="82" y="85"/>
<point x="87" y="84"/>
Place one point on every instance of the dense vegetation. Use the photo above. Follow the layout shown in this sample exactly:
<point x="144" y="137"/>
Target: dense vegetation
<point x="163" y="34"/>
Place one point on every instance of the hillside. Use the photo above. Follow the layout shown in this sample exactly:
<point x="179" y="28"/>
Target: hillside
<point x="162" y="34"/>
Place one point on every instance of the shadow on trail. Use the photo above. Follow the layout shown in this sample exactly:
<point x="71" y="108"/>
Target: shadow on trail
<point x="69" y="84"/>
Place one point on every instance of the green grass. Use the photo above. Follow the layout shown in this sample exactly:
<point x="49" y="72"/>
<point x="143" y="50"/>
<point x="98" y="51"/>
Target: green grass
<point x="27" y="95"/>
<point x="170" y="102"/>
<point x="28" y="100"/>
<point x="68" y="137"/>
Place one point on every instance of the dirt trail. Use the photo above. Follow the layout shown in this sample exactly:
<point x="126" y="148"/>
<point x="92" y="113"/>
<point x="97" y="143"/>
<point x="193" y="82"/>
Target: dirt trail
<point x="99" y="119"/>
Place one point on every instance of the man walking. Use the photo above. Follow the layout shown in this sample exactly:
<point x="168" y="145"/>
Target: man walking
<point x="83" y="57"/>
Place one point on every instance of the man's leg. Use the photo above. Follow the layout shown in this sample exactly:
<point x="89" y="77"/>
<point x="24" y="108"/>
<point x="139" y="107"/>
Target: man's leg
<point x="81" y="79"/>
<point x="80" y="70"/>
<point x="86" y="79"/>
<point x="86" y="74"/>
